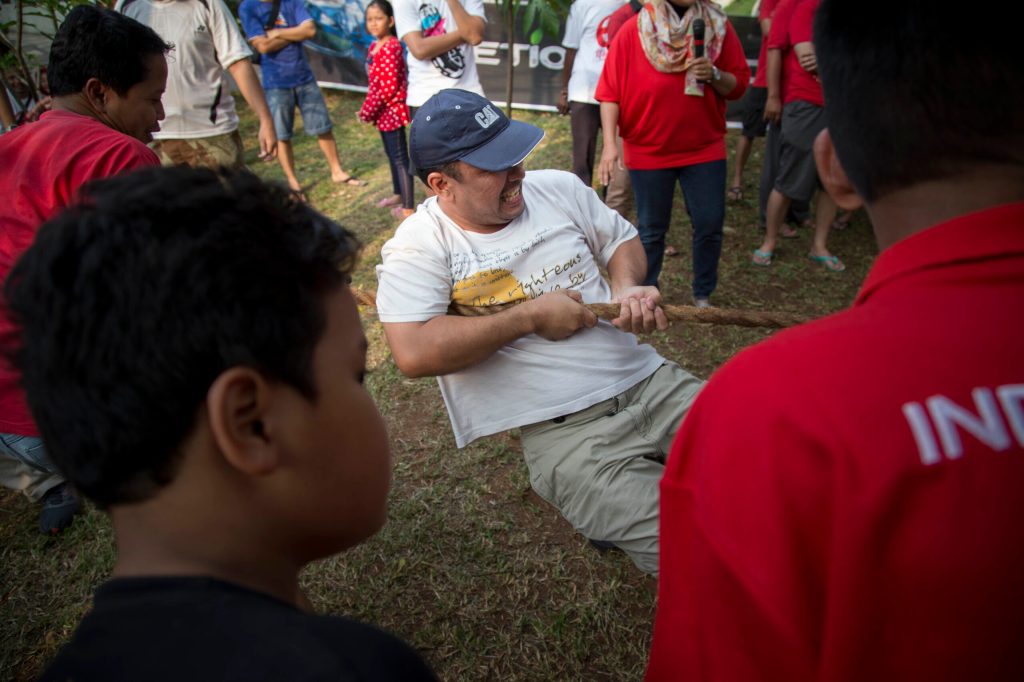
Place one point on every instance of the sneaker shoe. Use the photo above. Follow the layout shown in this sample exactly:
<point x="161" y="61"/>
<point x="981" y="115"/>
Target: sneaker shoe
<point x="60" y="505"/>
<point x="702" y="303"/>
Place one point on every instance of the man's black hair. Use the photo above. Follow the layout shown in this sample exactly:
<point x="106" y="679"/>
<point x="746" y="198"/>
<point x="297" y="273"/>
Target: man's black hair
<point x="451" y="169"/>
<point x="912" y="94"/>
<point x="98" y="43"/>
<point x="132" y="304"/>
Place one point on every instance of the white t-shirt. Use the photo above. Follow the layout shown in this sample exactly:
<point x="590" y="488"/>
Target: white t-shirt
<point x="453" y="69"/>
<point x="565" y="234"/>
<point x="586" y="32"/>
<point x="206" y="39"/>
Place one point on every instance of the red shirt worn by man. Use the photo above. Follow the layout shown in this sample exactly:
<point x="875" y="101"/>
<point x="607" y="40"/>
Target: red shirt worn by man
<point x="765" y="11"/>
<point x="664" y="127"/>
<point x="45" y="163"/>
<point x="793" y="23"/>
<point x="865" y="521"/>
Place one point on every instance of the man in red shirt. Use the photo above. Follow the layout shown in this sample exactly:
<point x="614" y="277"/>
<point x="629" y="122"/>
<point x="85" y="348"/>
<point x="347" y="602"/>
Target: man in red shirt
<point x="107" y="74"/>
<point x="803" y="117"/>
<point x="864" y="522"/>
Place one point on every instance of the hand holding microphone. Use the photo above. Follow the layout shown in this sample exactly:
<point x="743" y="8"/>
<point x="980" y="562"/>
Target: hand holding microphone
<point x="703" y="70"/>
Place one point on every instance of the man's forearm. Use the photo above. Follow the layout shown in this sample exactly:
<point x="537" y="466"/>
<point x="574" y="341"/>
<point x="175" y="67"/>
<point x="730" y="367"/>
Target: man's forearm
<point x="774" y="73"/>
<point x="628" y="265"/>
<point x="294" y="34"/>
<point x="431" y="46"/>
<point x="610" y="122"/>
<point x="249" y="86"/>
<point x="449" y="343"/>
<point x="570" y="59"/>
<point x="471" y="27"/>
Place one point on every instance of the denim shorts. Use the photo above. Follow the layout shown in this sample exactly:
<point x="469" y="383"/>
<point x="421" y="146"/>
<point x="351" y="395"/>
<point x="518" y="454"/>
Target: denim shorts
<point x="309" y="100"/>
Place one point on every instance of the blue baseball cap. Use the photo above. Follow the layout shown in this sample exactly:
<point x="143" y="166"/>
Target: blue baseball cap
<point x="458" y="125"/>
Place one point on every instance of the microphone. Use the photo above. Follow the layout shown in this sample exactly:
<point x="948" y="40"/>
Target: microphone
<point x="698" y="38"/>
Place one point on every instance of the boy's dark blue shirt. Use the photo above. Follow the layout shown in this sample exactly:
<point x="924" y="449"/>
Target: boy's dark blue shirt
<point x="286" y="68"/>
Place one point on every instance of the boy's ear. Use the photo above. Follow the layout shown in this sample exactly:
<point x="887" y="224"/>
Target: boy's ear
<point x="832" y="175"/>
<point x="239" y="402"/>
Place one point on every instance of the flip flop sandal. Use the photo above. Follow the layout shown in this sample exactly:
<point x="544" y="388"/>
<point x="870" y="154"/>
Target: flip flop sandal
<point x="735" y="193"/>
<point x="388" y="202"/>
<point x="762" y="258"/>
<point x="351" y="181"/>
<point x="830" y="263"/>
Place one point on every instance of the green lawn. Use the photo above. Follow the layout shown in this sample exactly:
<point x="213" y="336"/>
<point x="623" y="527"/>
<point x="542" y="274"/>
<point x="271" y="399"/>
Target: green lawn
<point x="476" y="572"/>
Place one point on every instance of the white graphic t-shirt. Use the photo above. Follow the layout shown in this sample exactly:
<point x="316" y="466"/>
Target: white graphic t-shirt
<point x="586" y="31"/>
<point x="559" y="242"/>
<point x="453" y="69"/>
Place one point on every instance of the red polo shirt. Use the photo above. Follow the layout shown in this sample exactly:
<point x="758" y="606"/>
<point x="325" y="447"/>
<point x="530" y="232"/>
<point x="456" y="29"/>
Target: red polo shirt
<point x="792" y="23"/>
<point x="661" y="126"/>
<point x="761" y="77"/>
<point x="845" y="501"/>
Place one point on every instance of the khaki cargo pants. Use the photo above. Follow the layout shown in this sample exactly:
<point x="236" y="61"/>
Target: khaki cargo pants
<point x="601" y="466"/>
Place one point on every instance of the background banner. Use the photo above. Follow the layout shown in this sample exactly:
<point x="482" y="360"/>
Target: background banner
<point x="338" y="54"/>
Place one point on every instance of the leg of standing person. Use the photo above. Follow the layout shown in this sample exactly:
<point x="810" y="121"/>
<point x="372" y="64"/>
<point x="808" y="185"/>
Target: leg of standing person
<point x="618" y="191"/>
<point x="743" y="147"/>
<point x="654" y="191"/>
<point x="317" y="122"/>
<point x="398" y="159"/>
<point x="753" y="126"/>
<point x="282" y="103"/>
<point x="703" y="186"/>
<point x="799" y="212"/>
<point x="584" y="122"/>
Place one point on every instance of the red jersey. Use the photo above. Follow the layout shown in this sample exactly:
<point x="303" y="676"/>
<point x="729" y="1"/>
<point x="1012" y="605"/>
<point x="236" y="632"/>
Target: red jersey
<point x="845" y="501"/>
<point x="618" y="18"/>
<point x="389" y="83"/>
<point x="761" y="76"/>
<point x="661" y="126"/>
<point x="793" y="23"/>
<point x="45" y="163"/>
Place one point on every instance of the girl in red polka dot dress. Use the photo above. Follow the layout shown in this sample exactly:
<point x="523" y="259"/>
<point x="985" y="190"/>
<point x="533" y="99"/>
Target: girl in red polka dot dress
<point x="385" y="102"/>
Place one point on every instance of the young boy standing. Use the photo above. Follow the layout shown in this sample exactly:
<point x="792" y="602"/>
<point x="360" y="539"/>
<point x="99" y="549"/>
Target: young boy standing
<point x="289" y="82"/>
<point x="231" y="447"/>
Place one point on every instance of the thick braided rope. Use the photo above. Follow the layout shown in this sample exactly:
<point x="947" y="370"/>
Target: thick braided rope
<point x="609" y="311"/>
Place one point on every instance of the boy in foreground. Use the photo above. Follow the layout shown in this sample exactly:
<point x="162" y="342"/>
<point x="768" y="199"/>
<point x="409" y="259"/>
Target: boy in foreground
<point x="864" y="522"/>
<point x="194" y="359"/>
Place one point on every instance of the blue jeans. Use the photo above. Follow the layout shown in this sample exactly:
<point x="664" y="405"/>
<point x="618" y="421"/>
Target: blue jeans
<point x="703" y="186"/>
<point x="25" y="465"/>
<point x="398" y="157"/>
<point x="310" y="101"/>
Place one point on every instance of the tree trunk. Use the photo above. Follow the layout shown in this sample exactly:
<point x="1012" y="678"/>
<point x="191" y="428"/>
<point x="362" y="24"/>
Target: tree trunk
<point x="19" y="7"/>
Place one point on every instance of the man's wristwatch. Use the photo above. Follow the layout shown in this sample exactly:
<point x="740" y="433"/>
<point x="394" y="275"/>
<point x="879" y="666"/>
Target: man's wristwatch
<point x="716" y="75"/>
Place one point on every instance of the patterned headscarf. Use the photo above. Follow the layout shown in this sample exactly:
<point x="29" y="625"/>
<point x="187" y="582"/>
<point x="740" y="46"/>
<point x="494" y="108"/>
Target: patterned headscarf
<point x="668" y="38"/>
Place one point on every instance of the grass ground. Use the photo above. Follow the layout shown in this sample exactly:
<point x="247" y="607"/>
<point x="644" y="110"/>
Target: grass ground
<point x="473" y="569"/>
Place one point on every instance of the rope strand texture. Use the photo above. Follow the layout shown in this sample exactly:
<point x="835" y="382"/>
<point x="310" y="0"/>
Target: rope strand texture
<point x="609" y="311"/>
